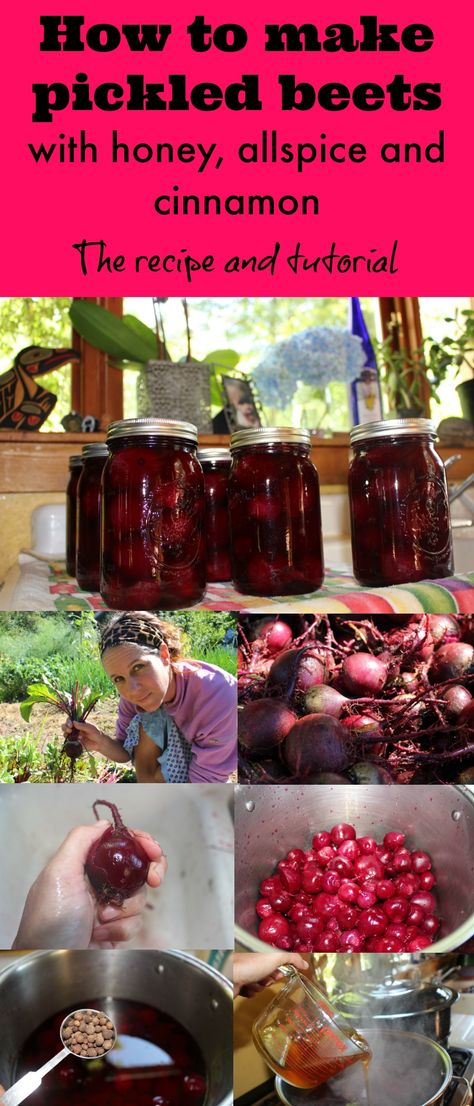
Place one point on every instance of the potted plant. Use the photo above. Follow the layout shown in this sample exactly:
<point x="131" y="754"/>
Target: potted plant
<point x="408" y="375"/>
<point x="456" y="350"/>
<point x="184" y="389"/>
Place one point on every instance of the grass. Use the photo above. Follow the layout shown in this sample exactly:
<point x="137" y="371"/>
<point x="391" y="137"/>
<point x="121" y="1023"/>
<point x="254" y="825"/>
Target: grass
<point x="224" y="658"/>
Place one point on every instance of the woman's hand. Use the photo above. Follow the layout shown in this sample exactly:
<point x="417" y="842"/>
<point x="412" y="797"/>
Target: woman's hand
<point x="254" y="970"/>
<point x="61" y="910"/>
<point x="94" y="741"/>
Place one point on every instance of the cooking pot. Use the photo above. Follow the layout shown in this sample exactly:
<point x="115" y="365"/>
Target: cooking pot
<point x="189" y="990"/>
<point x="424" y="1009"/>
<point x="406" y="1069"/>
<point x="273" y="819"/>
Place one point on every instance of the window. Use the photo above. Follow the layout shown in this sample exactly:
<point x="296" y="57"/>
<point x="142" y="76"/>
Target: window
<point x="249" y="326"/>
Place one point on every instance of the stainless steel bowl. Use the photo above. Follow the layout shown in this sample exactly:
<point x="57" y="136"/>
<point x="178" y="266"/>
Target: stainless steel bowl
<point x="406" y="1069"/>
<point x="199" y="997"/>
<point x="273" y="819"/>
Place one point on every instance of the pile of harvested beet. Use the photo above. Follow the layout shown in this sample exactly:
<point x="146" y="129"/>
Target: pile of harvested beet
<point x="348" y="894"/>
<point x="366" y="700"/>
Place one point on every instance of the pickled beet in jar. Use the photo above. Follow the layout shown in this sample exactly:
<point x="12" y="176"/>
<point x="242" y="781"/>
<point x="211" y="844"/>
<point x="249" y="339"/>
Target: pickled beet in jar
<point x="153" y="539"/>
<point x="400" y="522"/>
<point x="275" y="513"/>
<point x="88" y="517"/>
<point x="75" y="466"/>
<point x="216" y="467"/>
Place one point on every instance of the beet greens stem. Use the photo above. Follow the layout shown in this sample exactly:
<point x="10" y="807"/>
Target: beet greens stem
<point x="115" y="812"/>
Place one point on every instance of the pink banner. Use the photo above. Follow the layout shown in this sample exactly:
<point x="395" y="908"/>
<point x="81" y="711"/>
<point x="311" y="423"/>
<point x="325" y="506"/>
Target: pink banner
<point x="273" y="148"/>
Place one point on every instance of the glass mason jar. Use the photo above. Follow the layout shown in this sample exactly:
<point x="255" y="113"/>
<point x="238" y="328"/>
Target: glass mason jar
<point x="216" y="467"/>
<point x="275" y="513"/>
<point x="88" y="516"/>
<point x="75" y="466"/>
<point x="398" y="494"/>
<point x="153" y="539"/>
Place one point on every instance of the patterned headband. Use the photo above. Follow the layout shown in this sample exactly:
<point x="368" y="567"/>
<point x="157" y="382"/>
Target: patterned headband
<point x="131" y="629"/>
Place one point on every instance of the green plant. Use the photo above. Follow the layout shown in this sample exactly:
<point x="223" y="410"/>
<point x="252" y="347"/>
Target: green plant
<point x="453" y="350"/>
<point x="75" y="704"/>
<point x="131" y="343"/>
<point x="406" y="375"/>
<point x="19" y="758"/>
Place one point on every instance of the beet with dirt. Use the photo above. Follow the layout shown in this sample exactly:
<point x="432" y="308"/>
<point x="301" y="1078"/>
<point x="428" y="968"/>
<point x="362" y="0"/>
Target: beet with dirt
<point x="399" y="688"/>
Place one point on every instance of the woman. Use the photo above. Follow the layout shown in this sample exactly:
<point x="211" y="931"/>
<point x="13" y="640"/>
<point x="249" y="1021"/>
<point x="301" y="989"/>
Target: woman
<point x="177" y="718"/>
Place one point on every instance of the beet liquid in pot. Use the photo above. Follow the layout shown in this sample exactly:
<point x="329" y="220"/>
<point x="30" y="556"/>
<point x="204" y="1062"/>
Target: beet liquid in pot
<point x="155" y="1062"/>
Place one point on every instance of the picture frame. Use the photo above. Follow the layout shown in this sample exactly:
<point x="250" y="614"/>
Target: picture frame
<point x="240" y="404"/>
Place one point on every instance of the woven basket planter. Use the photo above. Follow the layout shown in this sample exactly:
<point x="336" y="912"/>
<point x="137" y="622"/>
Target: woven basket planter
<point x="167" y="390"/>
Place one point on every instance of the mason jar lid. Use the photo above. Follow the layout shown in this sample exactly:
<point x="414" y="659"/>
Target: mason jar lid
<point x="76" y="461"/>
<point x="393" y="428"/>
<point x="269" y="435"/>
<point x="158" y="428"/>
<point x="213" y="456"/>
<point x="96" y="449"/>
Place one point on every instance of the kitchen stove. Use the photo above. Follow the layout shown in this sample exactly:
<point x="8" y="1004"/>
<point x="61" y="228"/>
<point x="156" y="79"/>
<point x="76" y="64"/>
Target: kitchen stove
<point x="457" y="1094"/>
<point x="462" y="1060"/>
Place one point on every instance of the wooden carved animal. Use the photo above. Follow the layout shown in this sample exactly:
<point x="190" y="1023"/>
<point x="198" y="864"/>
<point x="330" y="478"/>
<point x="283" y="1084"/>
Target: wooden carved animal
<point x="24" y="404"/>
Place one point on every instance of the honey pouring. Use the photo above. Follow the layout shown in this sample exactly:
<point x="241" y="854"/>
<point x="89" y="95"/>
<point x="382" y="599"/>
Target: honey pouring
<point x="302" y="1037"/>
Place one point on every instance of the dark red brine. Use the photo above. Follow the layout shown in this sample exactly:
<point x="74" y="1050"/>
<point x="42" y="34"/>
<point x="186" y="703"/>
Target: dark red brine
<point x="400" y="522"/>
<point x="156" y="1062"/>
<point x="75" y="466"/>
<point x="88" y="517"/>
<point x="153" y="541"/>
<point x="216" y="468"/>
<point x="275" y="513"/>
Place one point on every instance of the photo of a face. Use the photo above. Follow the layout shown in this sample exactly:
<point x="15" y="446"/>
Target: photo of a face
<point x="240" y="409"/>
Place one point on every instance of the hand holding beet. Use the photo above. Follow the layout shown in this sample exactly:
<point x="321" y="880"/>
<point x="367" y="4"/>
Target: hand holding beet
<point x="61" y="909"/>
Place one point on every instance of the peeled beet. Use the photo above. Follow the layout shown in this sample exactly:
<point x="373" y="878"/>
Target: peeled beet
<point x="316" y="743"/>
<point x="264" y="724"/>
<point x="116" y="865"/>
<point x="363" y="674"/>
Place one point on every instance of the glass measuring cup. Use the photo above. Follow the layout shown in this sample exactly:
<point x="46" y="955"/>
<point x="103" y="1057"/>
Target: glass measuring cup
<point x="33" y="1079"/>
<point x="302" y="1038"/>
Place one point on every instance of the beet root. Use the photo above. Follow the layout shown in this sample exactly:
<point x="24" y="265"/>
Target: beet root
<point x="296" y="670"/>
<point x="264" y="724"/>
<point x="116" y="865"/>
<point x="324" y="700"/>
<point x="451" y="662"/>
<point x="316" y="743"/>
<point x="363" y="674"/>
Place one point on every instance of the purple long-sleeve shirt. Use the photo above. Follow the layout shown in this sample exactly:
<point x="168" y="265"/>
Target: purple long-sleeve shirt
<point x="205" y="710"/>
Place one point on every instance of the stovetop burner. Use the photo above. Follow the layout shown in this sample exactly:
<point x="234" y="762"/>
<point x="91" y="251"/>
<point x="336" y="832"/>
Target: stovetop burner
<point x="462" y="1060"/>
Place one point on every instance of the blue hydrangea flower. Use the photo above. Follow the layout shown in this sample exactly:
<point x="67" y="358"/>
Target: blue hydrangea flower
<point x="315" y="356"/>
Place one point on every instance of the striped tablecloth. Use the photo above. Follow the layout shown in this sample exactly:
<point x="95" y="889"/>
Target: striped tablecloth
<point x="339" y="594"/>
